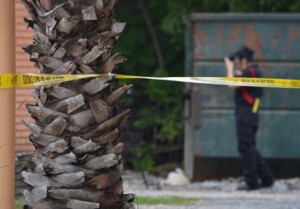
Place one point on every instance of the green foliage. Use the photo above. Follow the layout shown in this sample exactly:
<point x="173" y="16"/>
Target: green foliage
<point x="144" y="159"/>
<point x="166" y="98"/>
<point x="165" y="200"/>
<point x="157" y="105"/>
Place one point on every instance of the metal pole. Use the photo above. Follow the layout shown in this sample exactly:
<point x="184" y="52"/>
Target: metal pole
<point x="7" y="106"/>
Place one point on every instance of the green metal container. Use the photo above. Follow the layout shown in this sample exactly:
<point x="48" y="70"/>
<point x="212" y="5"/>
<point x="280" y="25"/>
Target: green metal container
<point x="210" y="124"/>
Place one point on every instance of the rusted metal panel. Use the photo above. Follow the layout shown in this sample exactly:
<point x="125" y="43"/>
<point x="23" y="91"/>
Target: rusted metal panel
<point x="275" y="39"/>
<point x="272" y="38"/>
<point x="221" y="167"/>
<point x="278" y="135"/>
<point x="216" y="137"/>
<point x="241" y="17"/>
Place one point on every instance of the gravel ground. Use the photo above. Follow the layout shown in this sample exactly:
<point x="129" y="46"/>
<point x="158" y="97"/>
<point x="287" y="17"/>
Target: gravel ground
<point x="284" y="194"/>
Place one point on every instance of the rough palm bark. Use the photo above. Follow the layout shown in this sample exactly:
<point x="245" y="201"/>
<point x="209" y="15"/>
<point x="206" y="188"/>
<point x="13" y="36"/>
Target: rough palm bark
<point x="78" y="162"/>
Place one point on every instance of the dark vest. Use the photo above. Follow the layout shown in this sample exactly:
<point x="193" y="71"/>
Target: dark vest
<point x="245" y="97"/>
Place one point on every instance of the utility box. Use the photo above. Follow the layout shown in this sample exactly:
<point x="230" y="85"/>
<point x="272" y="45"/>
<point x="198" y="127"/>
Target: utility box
<point x="209" y="109"/>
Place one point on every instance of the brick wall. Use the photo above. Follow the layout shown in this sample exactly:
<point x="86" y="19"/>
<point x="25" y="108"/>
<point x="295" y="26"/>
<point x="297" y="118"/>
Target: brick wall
<point x="23" y="38"/>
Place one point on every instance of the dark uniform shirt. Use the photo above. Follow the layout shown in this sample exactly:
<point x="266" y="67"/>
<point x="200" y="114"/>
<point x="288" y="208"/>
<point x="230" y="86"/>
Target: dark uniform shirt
<point x="245" y="97"/>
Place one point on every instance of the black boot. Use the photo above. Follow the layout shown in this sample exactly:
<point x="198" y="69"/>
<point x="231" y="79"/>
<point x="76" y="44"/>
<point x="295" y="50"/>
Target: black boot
<point x="246" y="187"/>
<point x="267" y="183"/>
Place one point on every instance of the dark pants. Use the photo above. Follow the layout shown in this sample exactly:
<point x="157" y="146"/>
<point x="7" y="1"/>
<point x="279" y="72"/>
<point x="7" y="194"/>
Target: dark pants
<point x="254" y="166"/>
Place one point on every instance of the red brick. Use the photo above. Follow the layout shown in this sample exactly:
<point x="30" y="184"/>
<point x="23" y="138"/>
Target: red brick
<point x="26" y="98"/>
<point x="24" y="147"/>
<point x="22" y="13"/>
<point x="23" y="38"/>
<point x="24" y="57"/>
<point x="31" y="69"/>
<point x="22" y="134"/>
<point x="24" y="64"/>
<point x="19" y="4"/>
<point x="19" y="20"/>
<point x="20" y="115"/>
<point x="23" y="41"/>
<point x="23" y="91"/>
<point x="20" y="126"/>
<point x="22" y="27"/>
<point x="22" y="141"/>
<point x="20" y="50"/>
<point x="23" y="32"/>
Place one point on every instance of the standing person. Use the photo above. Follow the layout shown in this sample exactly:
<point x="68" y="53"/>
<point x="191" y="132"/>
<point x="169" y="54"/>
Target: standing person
<point x="247" y="117"/>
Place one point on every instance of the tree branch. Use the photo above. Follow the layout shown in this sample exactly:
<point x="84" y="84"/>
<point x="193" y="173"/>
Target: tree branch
<point x="151" y="29"/>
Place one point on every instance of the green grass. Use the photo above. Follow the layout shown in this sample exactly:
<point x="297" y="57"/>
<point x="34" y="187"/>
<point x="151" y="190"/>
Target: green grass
<point x="166" y="200"/>
<point x="18" y="206"/>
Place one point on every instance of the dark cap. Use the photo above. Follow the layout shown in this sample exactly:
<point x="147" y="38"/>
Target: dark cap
<point x="244" y="52"/>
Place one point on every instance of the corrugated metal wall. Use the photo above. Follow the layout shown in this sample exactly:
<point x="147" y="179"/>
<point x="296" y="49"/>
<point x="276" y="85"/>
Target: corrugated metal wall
<point x="275" y="39"/>
<point x="23" y="37"/>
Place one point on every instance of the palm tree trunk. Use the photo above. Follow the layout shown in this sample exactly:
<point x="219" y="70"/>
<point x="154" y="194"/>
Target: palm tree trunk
<point x="78" y="161"/>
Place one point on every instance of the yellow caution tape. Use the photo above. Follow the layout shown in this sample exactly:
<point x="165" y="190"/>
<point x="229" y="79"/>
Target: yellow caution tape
<point x="30" y="80"/>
